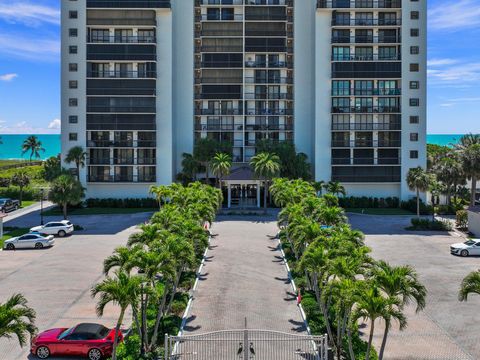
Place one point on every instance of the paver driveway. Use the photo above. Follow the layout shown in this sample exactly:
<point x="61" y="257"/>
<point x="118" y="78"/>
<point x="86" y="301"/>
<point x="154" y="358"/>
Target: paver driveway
<point x="57" y="281"/>
<point x="447" y="329"/>
<point x="244" y="276"/>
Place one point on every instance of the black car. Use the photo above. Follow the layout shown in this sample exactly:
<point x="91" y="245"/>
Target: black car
<point x="7" y="205"/>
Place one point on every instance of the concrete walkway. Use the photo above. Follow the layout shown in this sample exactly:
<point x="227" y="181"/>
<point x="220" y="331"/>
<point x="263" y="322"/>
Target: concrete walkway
<point x="244" y="276"/>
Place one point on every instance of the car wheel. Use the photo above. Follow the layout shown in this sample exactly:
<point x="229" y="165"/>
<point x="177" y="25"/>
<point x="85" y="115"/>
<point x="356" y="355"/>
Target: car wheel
<point x="62" y="233"/>
<point x="10" y="247"/>
<point x="38" y="246"/>
<point x="464" y="253"/>
<point x="94" y="354"/>
<point x="43" y="352"/>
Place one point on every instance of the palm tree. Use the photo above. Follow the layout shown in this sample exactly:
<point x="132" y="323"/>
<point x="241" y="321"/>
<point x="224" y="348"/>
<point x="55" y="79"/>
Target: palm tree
<point x="21" y="179"/>
<point x="471" y="165"/>
<point x="418" y="180"/>
<point x="335" y="188"/>
<point x="122" y="290"/>
<point x="467" y="140"/>
<point x="319" y="186"/>
<point x="399" y="282"/>
<point x="470" y="285"/>
<point x="17" y="318"/>
<point x="33" y="145"/>
<point x="190" y="166"/>
<point x="162" y="193"/>
<point x="66" y="190"/>
<point x="77" y="156"/>
<point x="220" y="165"/>
<point x="372" y="305"/>
<point x="266" y="166"/>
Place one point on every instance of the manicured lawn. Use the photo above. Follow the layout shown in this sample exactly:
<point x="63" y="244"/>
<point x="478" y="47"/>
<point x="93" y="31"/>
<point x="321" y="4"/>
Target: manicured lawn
<point x="98" y="211"/>
<point x="26" y="203"/>
<point x="380" y="211"/>
<point x="12" y="232"/>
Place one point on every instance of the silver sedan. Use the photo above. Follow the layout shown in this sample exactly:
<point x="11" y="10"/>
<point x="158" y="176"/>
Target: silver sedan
<point x="29" y="241"/>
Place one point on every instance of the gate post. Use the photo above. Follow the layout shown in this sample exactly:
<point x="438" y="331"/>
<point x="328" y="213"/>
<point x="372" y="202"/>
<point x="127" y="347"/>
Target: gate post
<point x="245" y="342"/>
<point x="165" y="347"/>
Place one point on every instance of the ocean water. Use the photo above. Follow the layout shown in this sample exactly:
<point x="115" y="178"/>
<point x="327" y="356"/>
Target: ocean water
<point x="12" y="144"/>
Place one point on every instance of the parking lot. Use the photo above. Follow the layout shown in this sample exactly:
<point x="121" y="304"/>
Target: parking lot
<point x="447" y="329"/>
<point x="57" y="281"/>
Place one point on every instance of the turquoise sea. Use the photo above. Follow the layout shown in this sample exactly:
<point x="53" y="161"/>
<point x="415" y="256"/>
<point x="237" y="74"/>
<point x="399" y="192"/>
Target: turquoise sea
<point x="12" y="144"/>
<point x="11" y="147"/>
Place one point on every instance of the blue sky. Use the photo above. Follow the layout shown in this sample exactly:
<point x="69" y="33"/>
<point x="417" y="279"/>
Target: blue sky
<point x="30" y="66"/>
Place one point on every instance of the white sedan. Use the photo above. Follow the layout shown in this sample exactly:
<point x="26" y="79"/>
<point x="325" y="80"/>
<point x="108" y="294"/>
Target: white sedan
<point x="469" y="247"/>
<point x="29" y="241"/>
<point x="60" y="228"/>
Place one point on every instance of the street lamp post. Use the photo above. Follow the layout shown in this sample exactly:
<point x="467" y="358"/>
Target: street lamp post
<point x="41" y="206"/>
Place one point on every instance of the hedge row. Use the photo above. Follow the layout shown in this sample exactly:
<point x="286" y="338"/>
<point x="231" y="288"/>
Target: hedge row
<point x="13" y="192"/>
<point x="146" y="203"/>
<point x="353" y="202"/>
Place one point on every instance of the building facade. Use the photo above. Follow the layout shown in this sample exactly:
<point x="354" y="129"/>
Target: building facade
<point x="343" y="80"/>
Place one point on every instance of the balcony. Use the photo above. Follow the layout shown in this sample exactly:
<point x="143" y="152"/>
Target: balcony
<point x="122" y="74"/>
<point x="219" y="96"/>
<point x="365" y="109"/>
<point x="269" y="112"/>
<point x="365" y="143"/>
<point x="366" y="161"/>
<point x="218" y="127"/>
<point x="219" y="17"/>
<point x="366" y="22"/>
<point x="121" y="144"/>
<point x="366" y="57"/>
<point x="219" y="80"/>
<point x="219" y="33"/>
<point x="218" y="112"/>
<point x="274" y="65"/>
<point x="251" y="143"/>
<point x="360" y="4"/>
<point x="121" y="178"/>
<point x="268" y="96"/>
<point x="366" y="126"/>
<point x="269" y="80"/>
<point x="121" y="39"/>
<point x="219" y="48"/>
<point x="218" y="2"/>
<point x="129" y="4"/>
<point x="386" y="39"/>
<point x="121" y="109"/>
<point x="366" y="92"/>
<point x="269" y="127"/>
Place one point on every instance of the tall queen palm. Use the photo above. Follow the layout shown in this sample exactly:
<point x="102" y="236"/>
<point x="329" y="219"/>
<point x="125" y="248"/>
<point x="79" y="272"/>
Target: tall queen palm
<point x="33" y="145"/>
<point x="471" y="165"/>
<point x="265" y="166"/>
<point x="418" y="181"/>
<point x="77" y="156"/>
<point x="220" y="166"/>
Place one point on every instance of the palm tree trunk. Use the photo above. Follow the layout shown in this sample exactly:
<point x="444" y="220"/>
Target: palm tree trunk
<point x="474" y="191"/>
<point x="78" y="172"/>
<point x="64" y="211"/>
<point x="160" y="312"/>
<point x="175" y="287"/>
<point x="117" y="330"/>
<point x="418" y="203"/>
<point x="21" y="196"/>
<point x="384" y="340"/>
<point x="370" y="339"/>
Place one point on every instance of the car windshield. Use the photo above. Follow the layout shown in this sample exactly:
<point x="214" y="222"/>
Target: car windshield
<point x="65" y="333"/>
<point x="469" y="242"/>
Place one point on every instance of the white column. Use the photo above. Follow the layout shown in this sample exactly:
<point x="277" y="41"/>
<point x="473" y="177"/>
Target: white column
<point x="258" y="194"/>
<point x="229" y="196"/>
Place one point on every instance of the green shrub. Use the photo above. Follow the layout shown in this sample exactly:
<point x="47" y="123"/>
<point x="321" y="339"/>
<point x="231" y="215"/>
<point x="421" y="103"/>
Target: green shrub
<point x="353" y="202"/>
<point x="29" y="193"/>
<point x="411" y="205"/>
<point x="426" y="224"/>
<point x="146" y="203"/>
<point x="462" y="219"/>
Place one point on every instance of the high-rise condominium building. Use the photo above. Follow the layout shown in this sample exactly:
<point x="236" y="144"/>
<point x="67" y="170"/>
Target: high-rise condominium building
<point x="343" y="80"/>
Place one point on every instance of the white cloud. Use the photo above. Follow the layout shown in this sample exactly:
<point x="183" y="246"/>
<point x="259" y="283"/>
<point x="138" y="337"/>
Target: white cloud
<point x="55" y="124"/>
<point x="439" y="62"/>
<point x="454" y="15"/>
<point x="8" y="77"/>
<point x="28" y="13"/>
<point x="30" y="48"/>
<point x="23" y="127"/>
<point x="453" y="72"/>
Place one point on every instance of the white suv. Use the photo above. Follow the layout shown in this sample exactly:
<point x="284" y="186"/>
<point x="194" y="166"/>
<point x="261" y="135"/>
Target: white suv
<point x="60" y="228"/>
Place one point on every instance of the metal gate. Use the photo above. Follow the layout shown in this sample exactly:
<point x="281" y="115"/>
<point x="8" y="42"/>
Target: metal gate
<point x="246" y="344"/>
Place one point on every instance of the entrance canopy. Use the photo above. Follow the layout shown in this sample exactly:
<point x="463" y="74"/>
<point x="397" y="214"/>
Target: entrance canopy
<point x="243" y="189"/>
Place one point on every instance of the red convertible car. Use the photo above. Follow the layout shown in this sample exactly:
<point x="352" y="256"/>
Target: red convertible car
<point x="92" y="341"/>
